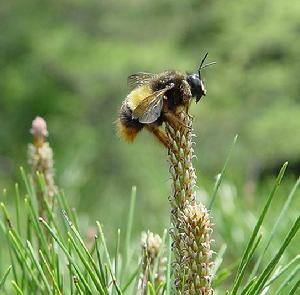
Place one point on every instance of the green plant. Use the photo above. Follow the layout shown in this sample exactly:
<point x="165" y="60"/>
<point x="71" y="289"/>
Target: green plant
<point x="49" y="255"/>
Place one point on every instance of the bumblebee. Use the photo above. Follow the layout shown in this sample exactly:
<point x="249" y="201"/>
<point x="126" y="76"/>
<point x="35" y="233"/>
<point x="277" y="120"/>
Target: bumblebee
<point x="157" y="98"/>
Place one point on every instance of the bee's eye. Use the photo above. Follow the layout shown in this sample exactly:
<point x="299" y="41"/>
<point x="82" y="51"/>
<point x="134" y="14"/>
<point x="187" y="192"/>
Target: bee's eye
<point x="194" y="82"/>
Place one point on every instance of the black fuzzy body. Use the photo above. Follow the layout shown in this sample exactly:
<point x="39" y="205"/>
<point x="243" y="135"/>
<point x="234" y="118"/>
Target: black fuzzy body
<point x="127" y="120"/>
<point x="175" y="96"/>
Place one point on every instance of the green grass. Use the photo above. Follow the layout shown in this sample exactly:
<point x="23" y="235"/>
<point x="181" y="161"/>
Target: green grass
<point x="49" y="254"/>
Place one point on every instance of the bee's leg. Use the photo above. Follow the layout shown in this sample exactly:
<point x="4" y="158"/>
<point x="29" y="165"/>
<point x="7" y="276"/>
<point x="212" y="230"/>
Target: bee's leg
<point x="174" y="121"/>
<point x="159" y="134"/>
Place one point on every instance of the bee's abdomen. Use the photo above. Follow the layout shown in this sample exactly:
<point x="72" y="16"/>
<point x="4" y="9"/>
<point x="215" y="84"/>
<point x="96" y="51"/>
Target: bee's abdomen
<point x="126" y="126"/>
<point x="126" y="118"/>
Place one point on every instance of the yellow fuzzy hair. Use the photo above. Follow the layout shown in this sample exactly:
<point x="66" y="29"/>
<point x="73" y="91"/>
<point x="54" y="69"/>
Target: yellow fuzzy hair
<point x="137" y="95"/>
<point x="126" y="133"/>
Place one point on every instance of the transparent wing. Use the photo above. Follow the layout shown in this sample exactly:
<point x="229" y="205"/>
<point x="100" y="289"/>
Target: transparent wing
<point x="151" y="115"/>
<point x="139" y="79"/>
<point x="150" y="107"/>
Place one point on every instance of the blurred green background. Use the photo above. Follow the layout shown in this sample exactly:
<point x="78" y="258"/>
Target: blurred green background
<point x="68" y="61"/>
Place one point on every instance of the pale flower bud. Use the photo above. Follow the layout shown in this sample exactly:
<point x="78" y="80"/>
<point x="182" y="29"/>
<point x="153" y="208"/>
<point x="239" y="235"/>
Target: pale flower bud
<point x="39" y="127"/>
<point x="40" y="158"/>
<point x="152" y="246"/>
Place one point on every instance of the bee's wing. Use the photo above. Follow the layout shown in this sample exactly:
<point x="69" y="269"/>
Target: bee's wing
<point x="139" y="79"/>
<point x="149" y="109"/>
<point x="151" y="114"/>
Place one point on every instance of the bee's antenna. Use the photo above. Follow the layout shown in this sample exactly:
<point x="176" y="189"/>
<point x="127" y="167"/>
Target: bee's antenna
<point x="205" y="56"/>
<point x="205" y="66"/>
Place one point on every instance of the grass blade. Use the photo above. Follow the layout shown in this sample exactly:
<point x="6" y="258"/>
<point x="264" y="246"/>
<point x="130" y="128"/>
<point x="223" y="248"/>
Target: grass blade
<point x="78" y="237"/>
<point x="102" y="238"/>
<point x="71" y="259"/>
<point x="3" y="279"/>
<point x="282" y="214"/>
<point x="17" y="288"/>
<point x="100" y="264"/>
<point x="128" y="232"/>
<point x="295" y="288"/>
<point x="239" y="275"/>
<point x="287" y="281"/>
<point x="119" y="292"/>
<point x="118" y="289"/>
<point x="268" y="270"/>
<point x="131" y="278"/>
<point x="38" y="266"/>
<point x="219" y="259"/>
<point x="87" y="266"/>
<point x="285" y="268"/>
<point x="37" y="228"/>
<point x="29" y="188"/>
<point x="249" y="285"/>
<point x="168" y="278"/>
<point x="50" y="272"/>
<point x="77" y="285"/>
<point x="222" y="174"/>
<point x="19" y="248"/>
<point x="18" y="208"/>
<point x="243" y="270"/>
<point x="150" y="289"/>
<point x="117" y="254"/>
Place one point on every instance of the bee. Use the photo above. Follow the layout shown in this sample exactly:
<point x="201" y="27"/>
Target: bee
<point x="157" y="98"/>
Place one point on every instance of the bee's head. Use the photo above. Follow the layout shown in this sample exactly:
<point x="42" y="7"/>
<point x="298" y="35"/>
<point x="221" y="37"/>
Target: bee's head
<point x="197" y="86"/>
<point x="196" y="83"/>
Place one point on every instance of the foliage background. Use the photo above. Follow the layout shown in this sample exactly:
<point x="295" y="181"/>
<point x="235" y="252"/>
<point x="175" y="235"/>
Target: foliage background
<point x="68" y="62"/>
